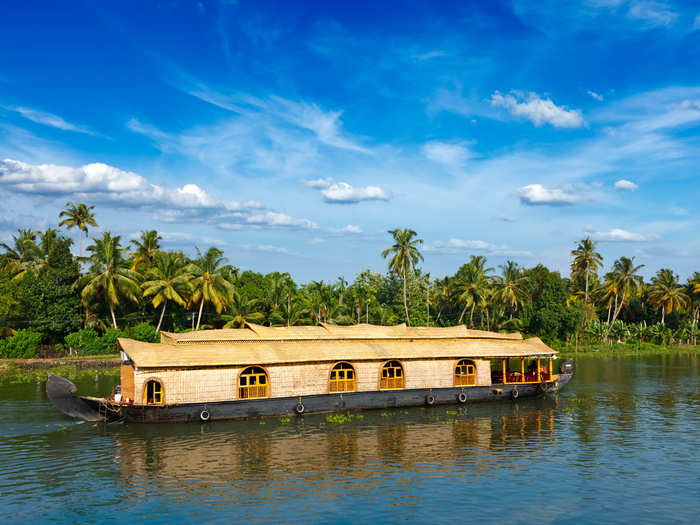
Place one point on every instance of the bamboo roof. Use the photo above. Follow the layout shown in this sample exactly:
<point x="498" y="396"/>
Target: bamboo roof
<point x="260" y="345"/>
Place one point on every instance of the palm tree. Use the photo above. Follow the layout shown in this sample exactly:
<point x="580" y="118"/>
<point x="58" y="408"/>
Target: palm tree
<point x="22" y="255"/>
<point x="167" y="281"/>
<point x="694" y="296"/>
<point x="509" y="286"/>
<point x="110" y="277"/>
<point x="405" y="257"/>
<point x="586" y="259"/>
<point x="78" y="215"/>
<point x="626" y="282"/>
<point x="146" y="248"/>
<point x="207" y="278"/>
<point x="667" y="293"/>
<point x="473" y="286"/>
<point x="243" y="310"/>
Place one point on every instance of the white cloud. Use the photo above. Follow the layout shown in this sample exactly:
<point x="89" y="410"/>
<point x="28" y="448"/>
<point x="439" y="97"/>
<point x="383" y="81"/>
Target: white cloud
<point x="538" y="195"/>
<point x="318" y="183"/>
<point x="652" y="14"/>
<point x="595" y="95"/>
<point x="316" y="240"/>
<point x="326" y="125"/>
<point x="48" y="119"/>
<point x="504" y="218"/>
<point x="619" y="235"/>
<point x="343" y="193"/>
<point x="351" y="228"/>
<point x="264" y="248"/>
<point x="538" y="110"/>
<point x="183" y="238"/>
<point x="428" y="55"/>
<point x="681" y="212"/>
<point x="450" y="154"/>
<point x="100" y="182"/>
<point x="464" y="246"/>
<point x="625" y="185"/>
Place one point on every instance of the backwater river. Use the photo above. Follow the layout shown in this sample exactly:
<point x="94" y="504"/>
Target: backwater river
<point x="620" y="444"/>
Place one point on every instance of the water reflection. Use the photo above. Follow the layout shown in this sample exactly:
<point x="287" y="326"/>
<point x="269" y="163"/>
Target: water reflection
<point x="409" y="439"/>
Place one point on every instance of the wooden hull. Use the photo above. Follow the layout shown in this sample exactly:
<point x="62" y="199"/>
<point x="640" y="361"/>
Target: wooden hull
<point x="289" y="406"/>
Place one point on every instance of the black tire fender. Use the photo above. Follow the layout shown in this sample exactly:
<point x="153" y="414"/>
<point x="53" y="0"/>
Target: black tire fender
<point x="204" y="415"/>
<point x="515" y="393"/>
<point x="299" y="408"/>
<point x="430" y="399"/>
<point x="462" y="397"/>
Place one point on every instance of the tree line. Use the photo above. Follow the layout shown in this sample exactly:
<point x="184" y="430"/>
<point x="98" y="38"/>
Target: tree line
<point x="50" y="297"/>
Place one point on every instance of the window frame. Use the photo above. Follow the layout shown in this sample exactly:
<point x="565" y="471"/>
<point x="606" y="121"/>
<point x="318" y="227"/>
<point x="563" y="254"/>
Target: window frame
<point x="239" y="386"/>
<point x="464" y="362"/>
<point x="344" y="381"/>
<point x="403" y="375"/>
<point x="159" y="382"/>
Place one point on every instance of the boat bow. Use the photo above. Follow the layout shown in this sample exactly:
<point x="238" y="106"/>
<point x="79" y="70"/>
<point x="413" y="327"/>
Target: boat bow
<point x="61" y="392"/>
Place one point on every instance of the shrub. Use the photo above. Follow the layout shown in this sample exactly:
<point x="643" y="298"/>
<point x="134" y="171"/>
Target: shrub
<point x="23" y="345"/>
<point x="144" y="332"/>
<point x="85" y="342"/>
<point x="109" y="340"/>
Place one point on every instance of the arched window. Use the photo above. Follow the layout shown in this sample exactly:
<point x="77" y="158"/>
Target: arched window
<point x="252" y="383"/>
<point x="153" y="393"/>
<point x="342" y="378"/>
<point x="465" y="373"/>
<point x="392" y="376"/>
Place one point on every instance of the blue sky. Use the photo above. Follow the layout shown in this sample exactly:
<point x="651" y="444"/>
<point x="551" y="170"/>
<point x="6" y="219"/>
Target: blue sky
<point x="294" y="136"/>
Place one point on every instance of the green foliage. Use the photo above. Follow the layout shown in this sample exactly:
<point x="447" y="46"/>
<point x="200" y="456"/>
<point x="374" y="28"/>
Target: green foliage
<point x="23" y="345"/>
<point x="86" y="342"/>
<point x="41" y="287"/>
<point x="143" y="332"/>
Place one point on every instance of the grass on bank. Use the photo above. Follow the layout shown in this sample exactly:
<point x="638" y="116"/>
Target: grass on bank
<point x="10" y="373"/>
<point x="632" y="349"/>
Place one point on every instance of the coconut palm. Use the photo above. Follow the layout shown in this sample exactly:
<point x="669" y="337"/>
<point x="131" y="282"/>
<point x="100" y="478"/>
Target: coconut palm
<point x="243" y="310"/>
<point x="109" y="277"/>
<point x="208" y="281"/>
<point x="145" y="248"/>
<point x="80" y="216"/>
<point x="586" y="260"/>
<point x="509" y="286"/>
<point x="625" y="283"/>
<point x="473" y="286"/>
<point x="22" y="255"/>
<point x="167" y="281"/>
<point x="405" y="256"/>
<point x="693" y="293"/>
<point x="667" y="293"/>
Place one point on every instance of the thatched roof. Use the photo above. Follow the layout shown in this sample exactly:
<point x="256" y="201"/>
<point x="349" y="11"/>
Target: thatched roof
<point x="326" y="343"/>
<point x="325" y="331"/>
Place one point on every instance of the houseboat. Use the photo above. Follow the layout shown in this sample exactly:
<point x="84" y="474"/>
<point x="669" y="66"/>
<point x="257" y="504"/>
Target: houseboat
<point x="272" y="371"/>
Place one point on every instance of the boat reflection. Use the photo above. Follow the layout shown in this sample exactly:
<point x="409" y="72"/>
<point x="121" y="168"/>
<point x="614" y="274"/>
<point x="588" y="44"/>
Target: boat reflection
<point x="423" y="440"/>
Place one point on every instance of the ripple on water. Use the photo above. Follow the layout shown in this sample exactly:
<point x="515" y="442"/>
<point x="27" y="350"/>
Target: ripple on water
<point x="621" y="439"/>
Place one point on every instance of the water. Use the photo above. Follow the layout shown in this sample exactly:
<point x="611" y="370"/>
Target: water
<point x="619" y="445"/>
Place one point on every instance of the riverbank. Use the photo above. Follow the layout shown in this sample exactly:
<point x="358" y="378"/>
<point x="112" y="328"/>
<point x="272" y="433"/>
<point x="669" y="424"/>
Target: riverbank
<point x="73" y="368"/>
<point x="627" y="350"/>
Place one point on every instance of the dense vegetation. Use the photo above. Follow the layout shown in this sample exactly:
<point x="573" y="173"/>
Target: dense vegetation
<point x="52" y="302"/>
